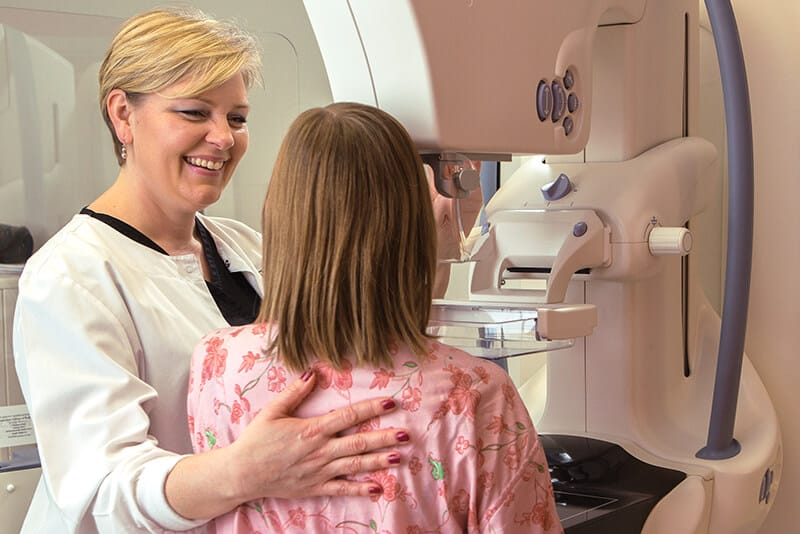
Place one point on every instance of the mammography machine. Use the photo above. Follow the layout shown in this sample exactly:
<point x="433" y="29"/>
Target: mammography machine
<point x="642" y="382"/>
<point x="586" y="274"/>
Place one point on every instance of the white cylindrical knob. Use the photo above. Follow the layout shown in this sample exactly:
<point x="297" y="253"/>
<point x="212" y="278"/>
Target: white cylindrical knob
<point x="11" y="488"/>
<point x="663" y="241"/>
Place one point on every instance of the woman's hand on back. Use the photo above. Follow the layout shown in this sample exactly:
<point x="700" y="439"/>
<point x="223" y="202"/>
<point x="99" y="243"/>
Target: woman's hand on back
<point x="287" y="457"/>
<point x="282" y="456"/>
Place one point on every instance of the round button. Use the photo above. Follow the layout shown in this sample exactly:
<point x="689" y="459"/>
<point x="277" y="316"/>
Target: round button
<point x="579" y="229"/>
<point x="568" y="125"/>
<point x="11" y="488"/>
<point x="190" y="268"/>
<point x="569" y="79"/>
<point x="572" y="102"/>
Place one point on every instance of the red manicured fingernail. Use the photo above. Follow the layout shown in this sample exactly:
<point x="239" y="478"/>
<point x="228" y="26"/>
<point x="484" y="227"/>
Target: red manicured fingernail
<point x="394" y="458"/>
<point x="376" y="490"/>
<point x="305" y="376"/>
<point x="388" y="404"/>
<point x="402" y="436"/>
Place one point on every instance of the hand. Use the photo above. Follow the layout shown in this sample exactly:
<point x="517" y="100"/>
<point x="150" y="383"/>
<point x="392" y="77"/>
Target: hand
<point x="282" y="456"/>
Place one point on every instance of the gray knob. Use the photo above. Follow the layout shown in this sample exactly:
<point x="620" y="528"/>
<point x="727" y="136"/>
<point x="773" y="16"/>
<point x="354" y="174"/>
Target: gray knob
<point x="557" y="189"/>
<point x="467" y="179"/>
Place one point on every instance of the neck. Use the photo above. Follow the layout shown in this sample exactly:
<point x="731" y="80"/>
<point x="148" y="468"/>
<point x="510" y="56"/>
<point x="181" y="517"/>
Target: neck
<point x="171" y="230"/>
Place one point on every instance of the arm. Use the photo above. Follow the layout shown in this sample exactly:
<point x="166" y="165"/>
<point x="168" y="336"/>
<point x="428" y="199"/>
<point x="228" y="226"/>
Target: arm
<point x="77" y="368"/>
<point x="447" y="230"/>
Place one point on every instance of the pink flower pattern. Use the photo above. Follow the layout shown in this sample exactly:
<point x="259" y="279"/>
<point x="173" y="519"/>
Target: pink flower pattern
<point x="474" y="464"/>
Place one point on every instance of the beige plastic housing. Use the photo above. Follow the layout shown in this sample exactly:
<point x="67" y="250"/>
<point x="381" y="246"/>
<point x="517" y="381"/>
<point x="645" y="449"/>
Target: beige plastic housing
<point x="425" y="62"/>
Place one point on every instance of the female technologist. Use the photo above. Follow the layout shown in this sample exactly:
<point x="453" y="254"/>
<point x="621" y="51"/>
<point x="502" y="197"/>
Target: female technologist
<point x="110" y="308"/>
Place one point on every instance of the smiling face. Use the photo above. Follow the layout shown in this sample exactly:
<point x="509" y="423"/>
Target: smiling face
<point x="182" y="151"/>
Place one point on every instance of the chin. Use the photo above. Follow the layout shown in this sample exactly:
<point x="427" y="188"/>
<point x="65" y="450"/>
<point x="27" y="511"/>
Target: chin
<point x="207" y="200"/>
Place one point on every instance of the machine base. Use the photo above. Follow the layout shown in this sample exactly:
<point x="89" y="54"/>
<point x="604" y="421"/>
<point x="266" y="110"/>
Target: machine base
<point x="600" y="488"/>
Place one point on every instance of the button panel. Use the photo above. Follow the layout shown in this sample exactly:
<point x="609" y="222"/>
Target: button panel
<point x="558" y="101"/>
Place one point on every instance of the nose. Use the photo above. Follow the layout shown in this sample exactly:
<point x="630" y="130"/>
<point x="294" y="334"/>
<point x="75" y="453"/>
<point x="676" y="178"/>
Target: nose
<point x="220" y="134"/>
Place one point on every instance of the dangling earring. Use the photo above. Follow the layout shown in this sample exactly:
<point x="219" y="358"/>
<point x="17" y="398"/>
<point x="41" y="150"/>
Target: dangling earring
<point x="123" y="152"/>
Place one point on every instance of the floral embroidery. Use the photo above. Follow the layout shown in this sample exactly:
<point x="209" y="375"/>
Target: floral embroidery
<point x="236" y="332"/>
<point x="414" y="465"/>
<point x="339" y="380"/>
<point x="509" y="393"/>
<point x="297" y="518"/>
<point x="391" y="487"/>
<point x="459" y="504"/>
<point x="382" y="378"/>
<point x="532" y="469"/>
<point x="437" y="469"/>
<point x="276" y="379"/>
<point x="411" y="399"/>
<point x="469" y="431"/>
<point x="486" y="479"/>
<point x="239" y="393"/>
<point x="259" y="329"/>
<point x="214" y="362"/>
<point x="511" y="458"/>
<point x="236" y="412"/>
<point x="210" y="438"/>
<point x="539" y="515"/>
<point x="411" y="395"/>
<point x="249" y="361"/>
<point x="462" y="445"/>
<point x="482" y="375"/>
<point x="463" y="397"/>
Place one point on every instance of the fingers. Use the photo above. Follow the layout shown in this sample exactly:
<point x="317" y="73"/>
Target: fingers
<point x="357" y="465"/>
<point x="341" y="488"/>
<point x="363" y="442"/>
<point x="352" y="455"/>
<point x="363" y="464"/>
<point x="350" y="416"/>
<point x="287" y="401"/>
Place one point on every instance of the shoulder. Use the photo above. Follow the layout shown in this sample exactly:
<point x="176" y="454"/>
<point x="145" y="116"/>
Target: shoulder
<point x="489" y="375"/>
<point x="80" y="247"/>
<point x="489" y="397"/>
<point x="224" y="338"/>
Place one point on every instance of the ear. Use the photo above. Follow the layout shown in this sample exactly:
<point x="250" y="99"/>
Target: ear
<point x="119" y="111"/>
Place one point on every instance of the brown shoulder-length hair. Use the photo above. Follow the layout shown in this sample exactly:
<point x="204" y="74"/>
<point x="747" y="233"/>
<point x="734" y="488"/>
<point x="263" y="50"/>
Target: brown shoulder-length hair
<point x="349" y="239"/>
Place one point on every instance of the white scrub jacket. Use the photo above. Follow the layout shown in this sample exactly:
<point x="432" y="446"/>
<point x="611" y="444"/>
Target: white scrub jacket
<point x="104" y="330"/>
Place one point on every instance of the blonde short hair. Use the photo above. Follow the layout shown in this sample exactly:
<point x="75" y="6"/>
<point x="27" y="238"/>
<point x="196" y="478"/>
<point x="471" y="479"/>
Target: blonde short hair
<point x="349" y="239"/>
<point x="158" y="48"/>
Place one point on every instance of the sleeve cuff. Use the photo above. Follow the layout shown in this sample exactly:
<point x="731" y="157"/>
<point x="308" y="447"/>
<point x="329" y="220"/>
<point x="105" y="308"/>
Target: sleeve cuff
<point x="152" y="499"/>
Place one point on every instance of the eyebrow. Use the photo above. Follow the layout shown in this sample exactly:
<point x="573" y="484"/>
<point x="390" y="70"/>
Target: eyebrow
<point x="245" y="105"/>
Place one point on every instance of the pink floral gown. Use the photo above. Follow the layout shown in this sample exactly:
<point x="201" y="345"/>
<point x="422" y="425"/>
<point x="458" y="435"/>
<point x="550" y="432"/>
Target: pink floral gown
<point x="475" y="462"/>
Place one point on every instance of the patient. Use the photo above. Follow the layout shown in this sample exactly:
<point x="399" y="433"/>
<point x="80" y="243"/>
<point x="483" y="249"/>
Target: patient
<point x="349" y="262"/>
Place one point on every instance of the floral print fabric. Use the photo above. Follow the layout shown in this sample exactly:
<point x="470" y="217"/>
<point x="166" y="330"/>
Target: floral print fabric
<point x="474" y="463"/>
